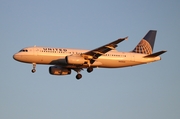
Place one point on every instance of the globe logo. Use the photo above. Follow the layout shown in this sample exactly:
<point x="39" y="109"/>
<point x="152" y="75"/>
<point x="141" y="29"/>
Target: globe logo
<point x="143" y="47"/>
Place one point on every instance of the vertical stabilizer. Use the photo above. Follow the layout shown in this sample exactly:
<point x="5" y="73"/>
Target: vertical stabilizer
<point x="146" y="45"/>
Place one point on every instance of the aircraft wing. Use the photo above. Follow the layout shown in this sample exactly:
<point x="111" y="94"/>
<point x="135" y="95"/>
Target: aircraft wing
<point x="92" y="55"/>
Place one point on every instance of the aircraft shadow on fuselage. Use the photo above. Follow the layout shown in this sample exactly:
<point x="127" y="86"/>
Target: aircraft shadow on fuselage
<point x="58" y="62"/>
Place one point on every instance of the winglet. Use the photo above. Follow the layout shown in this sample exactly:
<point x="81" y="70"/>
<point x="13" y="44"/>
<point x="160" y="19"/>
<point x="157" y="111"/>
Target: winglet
<point x="126" y="38"/>
<point x="155" y="54"/>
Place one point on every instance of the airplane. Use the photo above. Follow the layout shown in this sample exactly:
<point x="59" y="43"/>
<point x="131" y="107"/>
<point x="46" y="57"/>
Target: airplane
<point x="64" y="60"/>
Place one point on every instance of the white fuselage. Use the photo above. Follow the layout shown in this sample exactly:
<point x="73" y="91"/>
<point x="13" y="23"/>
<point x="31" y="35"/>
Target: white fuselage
<point x="56" y="56"/>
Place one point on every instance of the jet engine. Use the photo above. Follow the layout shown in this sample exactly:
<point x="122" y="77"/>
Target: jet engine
<point x="76" y="60"/>
<point x="56" y="70"/>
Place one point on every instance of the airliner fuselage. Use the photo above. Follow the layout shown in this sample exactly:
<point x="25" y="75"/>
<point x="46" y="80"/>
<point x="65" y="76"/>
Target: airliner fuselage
<point x="57" y="56"/>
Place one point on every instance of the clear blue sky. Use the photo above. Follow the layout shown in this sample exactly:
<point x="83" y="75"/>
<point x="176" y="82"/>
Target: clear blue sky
<point x="149" y="91"/>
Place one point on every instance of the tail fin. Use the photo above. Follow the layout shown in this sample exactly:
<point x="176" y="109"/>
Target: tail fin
<point x="146" y="45"/>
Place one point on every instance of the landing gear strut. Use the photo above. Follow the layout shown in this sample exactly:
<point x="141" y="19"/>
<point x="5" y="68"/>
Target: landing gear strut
<point x="78" y="70"/>
<point x="34" y="68"/>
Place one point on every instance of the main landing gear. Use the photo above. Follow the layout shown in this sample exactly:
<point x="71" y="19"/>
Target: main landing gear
<point x="89" y="70"/>
<point x="34" y="68"/>
<point x="78" y="70"/>
<point x="79" y="76"/>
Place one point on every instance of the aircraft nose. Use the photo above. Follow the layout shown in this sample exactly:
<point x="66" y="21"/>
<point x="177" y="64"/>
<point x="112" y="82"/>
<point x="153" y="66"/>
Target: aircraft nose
<point x="16" y="57"/>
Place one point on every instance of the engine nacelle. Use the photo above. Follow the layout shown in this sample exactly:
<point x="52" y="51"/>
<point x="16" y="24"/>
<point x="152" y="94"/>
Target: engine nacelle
<point x="55" y="70"/>
<point x="76" y="60"/>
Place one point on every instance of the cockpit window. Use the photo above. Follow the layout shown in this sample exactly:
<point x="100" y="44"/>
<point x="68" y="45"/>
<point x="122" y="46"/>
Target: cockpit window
<point x="23" y="50"/>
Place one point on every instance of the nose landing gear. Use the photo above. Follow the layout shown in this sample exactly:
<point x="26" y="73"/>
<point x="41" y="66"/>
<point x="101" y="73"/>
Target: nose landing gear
<point x="34" y="68"/>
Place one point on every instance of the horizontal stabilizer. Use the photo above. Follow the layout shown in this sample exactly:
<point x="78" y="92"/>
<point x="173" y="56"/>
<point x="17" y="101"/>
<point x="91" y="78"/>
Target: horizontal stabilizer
<point x="155" y="54"/>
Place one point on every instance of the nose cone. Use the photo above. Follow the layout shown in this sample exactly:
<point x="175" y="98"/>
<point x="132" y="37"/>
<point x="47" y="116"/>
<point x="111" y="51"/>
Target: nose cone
<point x="16" y="57"/>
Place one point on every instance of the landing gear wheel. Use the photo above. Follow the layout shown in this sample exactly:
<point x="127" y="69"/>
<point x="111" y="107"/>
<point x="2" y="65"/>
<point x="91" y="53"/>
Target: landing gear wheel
<point x="33" y="70"/>
<point x="89" y="70"/>
<point x="78" y="76"/>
